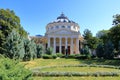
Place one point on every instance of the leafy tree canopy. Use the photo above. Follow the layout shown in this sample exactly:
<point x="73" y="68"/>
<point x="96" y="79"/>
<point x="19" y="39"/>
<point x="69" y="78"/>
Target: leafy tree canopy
<point x="8" y="22"/>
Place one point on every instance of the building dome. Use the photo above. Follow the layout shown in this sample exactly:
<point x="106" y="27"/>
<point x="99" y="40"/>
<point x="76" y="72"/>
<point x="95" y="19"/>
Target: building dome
<point x="62" y="22"/>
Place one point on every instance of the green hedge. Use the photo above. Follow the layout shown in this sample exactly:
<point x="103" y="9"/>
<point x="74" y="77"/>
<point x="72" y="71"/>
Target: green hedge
<point x="36" y="71"/>
<point x="57" y="74"/>
<point x="46" y="56"/>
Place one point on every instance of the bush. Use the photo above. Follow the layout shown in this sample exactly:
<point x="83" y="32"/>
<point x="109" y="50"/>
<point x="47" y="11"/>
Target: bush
<point x="13" y="70"/>
<point x="58" y="74"/>
<point x="46" y="56"/>
<point x="95" y="74"/>
<point x="59" y="55"/>
<point x="49" y="50"/>
<point x="54" y="56"/>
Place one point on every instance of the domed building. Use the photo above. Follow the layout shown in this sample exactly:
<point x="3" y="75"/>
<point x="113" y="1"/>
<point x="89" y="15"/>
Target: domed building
<point x="63" y="35"/>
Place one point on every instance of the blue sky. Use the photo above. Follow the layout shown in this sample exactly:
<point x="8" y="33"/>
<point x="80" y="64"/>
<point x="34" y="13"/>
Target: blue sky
<point x="94" y="15"/>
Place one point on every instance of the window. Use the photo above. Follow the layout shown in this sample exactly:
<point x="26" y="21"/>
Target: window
<point x="57" y="27"/>
<point x="74" y="27"/>
<point x="51" y="27"/>
<point x="68" y="26"/>
<point x="63" y="26"/>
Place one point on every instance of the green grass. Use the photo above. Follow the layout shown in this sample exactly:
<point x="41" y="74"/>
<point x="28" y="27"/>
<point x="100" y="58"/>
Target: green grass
<point x="78" y="69"/>
<point x="62" y="61"/>
<point x="50" y="62"/>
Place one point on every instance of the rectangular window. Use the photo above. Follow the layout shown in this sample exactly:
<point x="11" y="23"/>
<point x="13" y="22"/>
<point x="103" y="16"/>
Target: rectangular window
<point x="63" y="26"/>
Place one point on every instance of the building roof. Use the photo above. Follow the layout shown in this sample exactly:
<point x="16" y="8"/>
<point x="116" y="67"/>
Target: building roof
<point x="62" y="18"/>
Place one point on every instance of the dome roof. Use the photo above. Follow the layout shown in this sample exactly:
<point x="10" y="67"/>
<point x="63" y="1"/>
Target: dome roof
<point x="62" y="18"/>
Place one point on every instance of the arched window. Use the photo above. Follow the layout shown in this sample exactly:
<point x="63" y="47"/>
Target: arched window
<point x="63" y="26"/>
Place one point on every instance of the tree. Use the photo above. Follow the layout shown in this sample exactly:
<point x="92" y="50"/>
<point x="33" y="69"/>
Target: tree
<point x="14" y="46"/>
<point x="87" y="34"/>
<point x="27" y="55"/>
<point x="39" y="50"/>
<point x="49" y="50"/>
<point x="100" y="50"/>
<point x="114" y="35"/>
<point x="8" y="22"/>
<point x="90" y="41"/>
<point x="116" y="20"/>
<point x="109" y="47"/>
<point x="86" y="52"/>
<point x="103" y="35"/>
<point x="33" y="49"/>
<point x="30" y="50"/>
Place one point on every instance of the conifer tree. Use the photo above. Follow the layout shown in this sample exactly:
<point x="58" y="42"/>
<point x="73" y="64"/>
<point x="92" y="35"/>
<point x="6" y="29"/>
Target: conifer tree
<point x="30" y="49"/>
<point x="40" y="50"/>
<point x="14" y="46"/>
<point x="33" y="49"/>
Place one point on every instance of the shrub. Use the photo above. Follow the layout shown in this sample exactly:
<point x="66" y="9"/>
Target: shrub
<point x="59" y="55"/>
<point x="95" y="74"/>
<point x="46" y="56"/>
<point x="13" y="70"/>
<point x="49" y="50"/>
<point x="58" y="74"/>
<point x="54" y="56"/>
<point x="72" y="56"/>
<point x="40" y="49"/>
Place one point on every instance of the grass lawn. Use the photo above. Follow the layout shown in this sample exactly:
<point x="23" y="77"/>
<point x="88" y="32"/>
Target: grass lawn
<point x="57" y="62"/>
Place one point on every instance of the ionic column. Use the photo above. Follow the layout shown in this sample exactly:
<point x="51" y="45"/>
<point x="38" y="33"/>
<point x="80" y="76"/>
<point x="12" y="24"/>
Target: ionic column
<point x="60" y="45"/>
<point x="54" y="45"/>
<point x="77" y="45"/>
<point x="48" y="42"/>
<point x="66" y="43"/>
<point x="71" y="46"/>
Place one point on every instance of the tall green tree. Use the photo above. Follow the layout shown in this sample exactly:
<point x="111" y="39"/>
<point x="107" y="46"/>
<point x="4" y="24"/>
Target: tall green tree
<point x="115" y="35"/>
<point x="103" y="35"/>
<point x="100" y="50"/>
<point x="8" y="22"/>
<point x="30" y="50"/>
<point x="116" y="20"/>
<point x="28" y="54"/>
<point x="40" y="50"/>
<point x="87" y="34"/>
<point x="14" y="46"/>
<point x="90" y="40"/>
<point x="109" y="48"/>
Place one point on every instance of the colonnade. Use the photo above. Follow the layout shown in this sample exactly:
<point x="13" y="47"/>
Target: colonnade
<point x="74" y="44"/>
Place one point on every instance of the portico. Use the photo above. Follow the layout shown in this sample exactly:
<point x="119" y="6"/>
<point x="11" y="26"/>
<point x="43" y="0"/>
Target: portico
<point x="61" y="43"/>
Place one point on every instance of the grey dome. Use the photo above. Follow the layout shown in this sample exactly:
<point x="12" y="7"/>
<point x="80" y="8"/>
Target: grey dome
<point x="62" y="18"/>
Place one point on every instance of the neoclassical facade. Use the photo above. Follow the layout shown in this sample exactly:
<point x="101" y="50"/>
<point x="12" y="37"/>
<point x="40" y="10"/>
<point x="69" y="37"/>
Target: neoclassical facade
<point x="63" y="34"/>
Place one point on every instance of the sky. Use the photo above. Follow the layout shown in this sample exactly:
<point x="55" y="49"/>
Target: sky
<point x="94" y="15"/>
